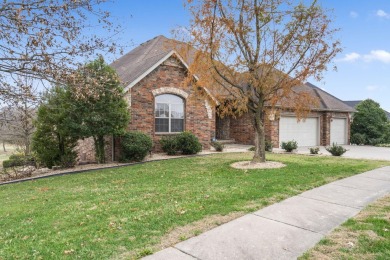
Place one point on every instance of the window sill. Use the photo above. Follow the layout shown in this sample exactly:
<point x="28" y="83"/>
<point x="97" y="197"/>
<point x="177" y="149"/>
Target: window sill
<point x="166" y="133"/>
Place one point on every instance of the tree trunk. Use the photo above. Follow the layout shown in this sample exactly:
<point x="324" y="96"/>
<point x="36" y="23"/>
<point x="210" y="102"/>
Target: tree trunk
<point x="5" y="150"/>
<point x="258" y="125"/>
<point x="27" y="144"/>
<point x="99" y="148"/>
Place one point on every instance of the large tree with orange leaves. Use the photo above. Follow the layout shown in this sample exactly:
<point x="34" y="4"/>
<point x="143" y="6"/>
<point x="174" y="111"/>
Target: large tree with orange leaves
<point x="253" y="53"/>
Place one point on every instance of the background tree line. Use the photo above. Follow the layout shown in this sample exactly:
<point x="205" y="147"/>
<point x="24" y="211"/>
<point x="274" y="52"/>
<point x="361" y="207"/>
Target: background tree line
<point x="370" y="124"/>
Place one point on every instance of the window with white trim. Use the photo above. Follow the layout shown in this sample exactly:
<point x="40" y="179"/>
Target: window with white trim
<point x="169" y="114"/>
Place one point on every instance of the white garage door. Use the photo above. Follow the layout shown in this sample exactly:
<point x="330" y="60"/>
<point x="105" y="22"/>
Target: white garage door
<point x="305" y="132"/>
<point x="338" y="131"/>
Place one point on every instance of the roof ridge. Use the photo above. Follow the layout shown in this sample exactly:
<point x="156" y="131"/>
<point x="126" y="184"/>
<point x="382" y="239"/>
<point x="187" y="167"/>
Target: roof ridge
<point x="149" y="48"/>
<point x="321" y="92"/>
<point x="314" y="86"/>
<point x="320" y="98"/>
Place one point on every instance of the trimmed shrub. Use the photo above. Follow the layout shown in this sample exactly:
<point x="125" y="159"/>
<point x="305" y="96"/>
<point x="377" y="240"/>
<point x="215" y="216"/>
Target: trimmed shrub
<point x="185" y="142"/>
<point x="314" y="150"/>
<point x="383" y="145"/>
<point x="289" y="146"/>
<point x="268" y="146"/>
<point x="9" y="164"/>
<point x="135" y="146"/>
<point x="169" y="145"/>
<point x="188" y="143"/>
<point x="358" y="139"/>
<point x="218" y="146"/>
<point x="375" y="141"/>
<point x="16" y="160"/>
<point x="336" y="150"/>
<point x="68" y="160"/>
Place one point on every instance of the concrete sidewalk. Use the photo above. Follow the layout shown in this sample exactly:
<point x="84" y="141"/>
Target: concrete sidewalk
<point x="287" y="229"/>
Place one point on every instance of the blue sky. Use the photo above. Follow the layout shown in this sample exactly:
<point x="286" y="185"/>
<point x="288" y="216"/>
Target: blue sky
<point x="363" y="66"/>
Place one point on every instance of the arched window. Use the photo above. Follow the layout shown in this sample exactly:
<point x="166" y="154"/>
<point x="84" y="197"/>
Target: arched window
<point x="169" y="114"/>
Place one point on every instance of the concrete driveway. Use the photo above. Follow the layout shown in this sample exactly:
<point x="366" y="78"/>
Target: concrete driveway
<point x="356" y="152"/>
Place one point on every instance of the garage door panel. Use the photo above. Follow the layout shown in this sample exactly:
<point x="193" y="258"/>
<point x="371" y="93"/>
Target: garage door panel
<point x="305" y="132"/>
<point x="338" y="131"/>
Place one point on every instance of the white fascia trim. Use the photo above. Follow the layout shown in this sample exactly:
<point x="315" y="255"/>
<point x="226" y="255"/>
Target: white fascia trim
<point x="143" y="75"/>
<point x="196" y="78"/>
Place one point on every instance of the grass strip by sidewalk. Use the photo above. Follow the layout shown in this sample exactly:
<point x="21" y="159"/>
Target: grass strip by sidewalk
<point x="366" y="236"/>
<point x="129" y="212"/>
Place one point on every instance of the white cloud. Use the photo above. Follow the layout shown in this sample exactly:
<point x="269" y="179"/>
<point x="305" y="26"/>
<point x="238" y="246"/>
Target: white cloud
<point x="382" y="14"/>
<point x="350" y="57"/>
<point x="374" y="55"/>
<point x="353" y="14"/>
<point x="372" y="88"/>
<point x="378" y="55"/>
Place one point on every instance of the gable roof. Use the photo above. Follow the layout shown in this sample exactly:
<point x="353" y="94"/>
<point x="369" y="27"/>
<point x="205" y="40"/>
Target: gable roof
<point x="354" y="103"/>
<point x="328" y="102"/>
<point x="139" y="62"/>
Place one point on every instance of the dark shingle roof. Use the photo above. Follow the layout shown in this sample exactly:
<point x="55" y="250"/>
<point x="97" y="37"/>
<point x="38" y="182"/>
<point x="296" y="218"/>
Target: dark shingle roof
<point x="141" y="59"/>
<point x="328" y="102"/>
<point x="354" y="103"/>
<point x="135" y="63"/>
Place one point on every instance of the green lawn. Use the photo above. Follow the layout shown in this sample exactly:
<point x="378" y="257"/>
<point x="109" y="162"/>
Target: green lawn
<point x="366" y="236"/>
<point x="125" y="212"/>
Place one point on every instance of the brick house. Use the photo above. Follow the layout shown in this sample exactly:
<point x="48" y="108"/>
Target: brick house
<point x="160" y="103"/>
<point x="329" y="123"/>
<point x="153" y="75"/>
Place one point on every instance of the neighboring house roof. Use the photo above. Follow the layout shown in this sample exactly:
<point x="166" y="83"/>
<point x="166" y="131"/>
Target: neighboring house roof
<point x="354" y="103"/>
<point x="328" y="102"/>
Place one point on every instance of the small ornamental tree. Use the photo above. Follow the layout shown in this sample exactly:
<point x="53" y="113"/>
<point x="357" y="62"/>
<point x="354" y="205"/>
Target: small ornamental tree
<point x="251" y="54"/>
<point x="98" y="100"/>
<point x="370" y="120"/>
<point x="53" y="141"/>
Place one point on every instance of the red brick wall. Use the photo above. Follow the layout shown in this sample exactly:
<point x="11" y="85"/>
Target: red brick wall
<point x="170" y="74"/>
<point x="241" y="129"/>
<point x="325" y="128"/>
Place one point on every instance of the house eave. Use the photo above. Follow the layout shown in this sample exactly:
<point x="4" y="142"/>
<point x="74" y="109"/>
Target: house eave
<point x="147" y="72"/>
<point x="158" y="63"/>
<point x="320" y="109"/>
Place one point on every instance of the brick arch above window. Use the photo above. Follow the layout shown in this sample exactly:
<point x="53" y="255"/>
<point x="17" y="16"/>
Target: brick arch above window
<point x="170" y="90"/>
